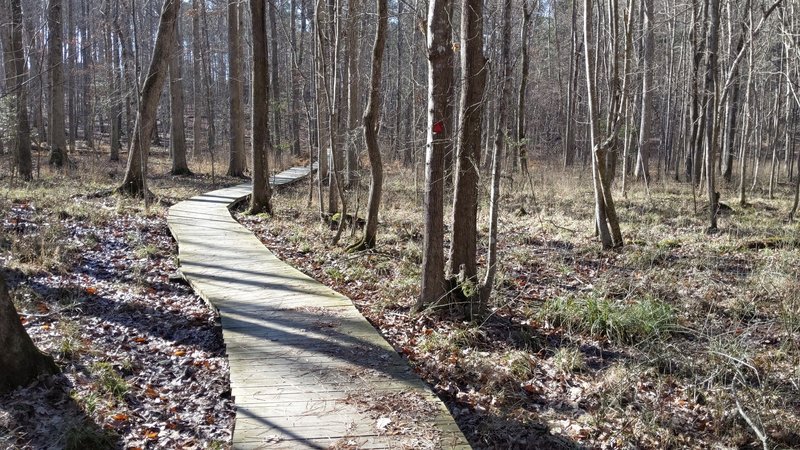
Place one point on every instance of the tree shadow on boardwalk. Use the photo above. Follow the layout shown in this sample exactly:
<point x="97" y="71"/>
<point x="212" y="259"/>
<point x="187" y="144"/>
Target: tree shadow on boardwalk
<point x="306" y="366"/>
<point x="308" y="347"/>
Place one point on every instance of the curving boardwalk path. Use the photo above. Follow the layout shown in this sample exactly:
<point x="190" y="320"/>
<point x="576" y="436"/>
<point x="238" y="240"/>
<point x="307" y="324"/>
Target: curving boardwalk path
<point x="307" y="369"/>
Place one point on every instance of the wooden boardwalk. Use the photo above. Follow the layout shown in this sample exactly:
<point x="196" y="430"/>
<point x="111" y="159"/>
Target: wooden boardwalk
<point x="307" y="369"/>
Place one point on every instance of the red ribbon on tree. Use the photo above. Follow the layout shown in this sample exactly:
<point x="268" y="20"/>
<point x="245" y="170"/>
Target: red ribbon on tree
<point x="438" y="127"/>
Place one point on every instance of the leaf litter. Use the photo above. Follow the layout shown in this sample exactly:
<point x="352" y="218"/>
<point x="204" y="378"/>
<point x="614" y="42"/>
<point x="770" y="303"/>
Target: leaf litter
<point x="630" y="349"/>
<point x="142" y="357"/>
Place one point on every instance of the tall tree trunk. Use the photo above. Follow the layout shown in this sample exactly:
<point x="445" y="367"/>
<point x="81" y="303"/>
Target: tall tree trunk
<point x="16" y="76"/>
<point x="370" y="122"/>
<point x="205" y="64"/>
<point x="87" y="76"/>
<point x="261" y="198"/>
<point x="197" y="80"/>
<point x="115" y="83"/>
<point x="58" y="143"/>
<point x="134" y="184"/>
<point x="72" y="80"/>
<point x="275" y="86"/>
<point x="646" y="132"/>
<point x="605" y="212"/>
<point x="296" y="59"/>
<point x="731" y="116"/>
<point x="321" y="96"/>
<point x="776" y="126"/>
<point x="500" y="137"/>
<point x="694" y="147"/>
<point x="127" y="68"/>
<point x="21" y="361"/>
<point x="433" y="288"/>
<point x="237" y="163"/>
<point x="336" y="185"/>
<point x="748" y="115"/>
<point x="569" y="141"/>
<point x="711" y="105"/>
<point x="353" y="89"/>
<point x="465" y="197"/>
<point x="398" y="90"/>
<point x="177" y="129"/>
<point x="521" y="146"/>
<point x="36" y="56"/>
<point x="329" y="91"/>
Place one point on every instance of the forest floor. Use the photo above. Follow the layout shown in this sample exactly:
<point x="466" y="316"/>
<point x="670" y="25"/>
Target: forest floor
<point x="677" y="340"/>
<point x="94" y="280"/>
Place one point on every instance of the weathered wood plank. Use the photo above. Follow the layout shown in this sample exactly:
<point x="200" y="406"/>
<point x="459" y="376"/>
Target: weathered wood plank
<point x="307" y="370"/>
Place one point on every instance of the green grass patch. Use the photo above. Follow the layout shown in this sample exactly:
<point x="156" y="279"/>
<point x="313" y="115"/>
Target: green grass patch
<point x="628" y="323"/>
<point x="88" y="435"/>
<point x="109" y="381"/>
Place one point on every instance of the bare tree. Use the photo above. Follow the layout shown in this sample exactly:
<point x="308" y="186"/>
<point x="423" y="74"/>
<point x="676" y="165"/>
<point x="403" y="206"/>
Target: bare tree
<point x="521" y="146"/>
<point x="58" y="143"/>
<point x="237" y="165"/>
<point x="605" y="213"/>
<point x="16" y="74"/>
<point x="353" y="88"/>
<point x="646" y="131"/>
<point x="197" y="80"/>
<point x="465" y="198"/>
<point x="711" y="106"/>
<point x="261" y="198"/>
<point x="115" y="83"/>
<point x="177" y="141"/>
<point x="274" y="80"/>
<point x="134" y="183"/>
<point x="370" y="123"/>
<point x="87" y="78"/>
<point x="440" y="81"/>
<point x="572" y="88"/>
<point x="500" y="137"/>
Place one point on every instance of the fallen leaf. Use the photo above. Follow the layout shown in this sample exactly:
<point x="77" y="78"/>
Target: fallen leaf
<point x="150" y="392"/>
<point x="119" y="417"/>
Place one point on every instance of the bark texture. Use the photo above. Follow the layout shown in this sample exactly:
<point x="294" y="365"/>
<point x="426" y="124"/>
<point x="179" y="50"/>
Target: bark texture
<point x="237" y="163"/>
<point x="605" y="212"/>
<point x="261" y="199"/>
<point x="500" y="137"/>
<point x="55" y="116"/>
<point x="370" y="122"/>
<point x="197" y="81"/>
<point x="465" y="198"/>
<point x="16" y="74"/>
<point x="133" y="183"/>
<point x="176" y="107"/>
<point x="20" y="360"/>
<point x="440" y="82"/>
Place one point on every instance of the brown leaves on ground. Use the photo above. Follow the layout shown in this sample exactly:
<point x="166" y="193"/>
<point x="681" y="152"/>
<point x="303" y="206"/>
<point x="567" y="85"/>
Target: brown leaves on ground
<point x="142" y="357"/>
<point x="641" y="348"/>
